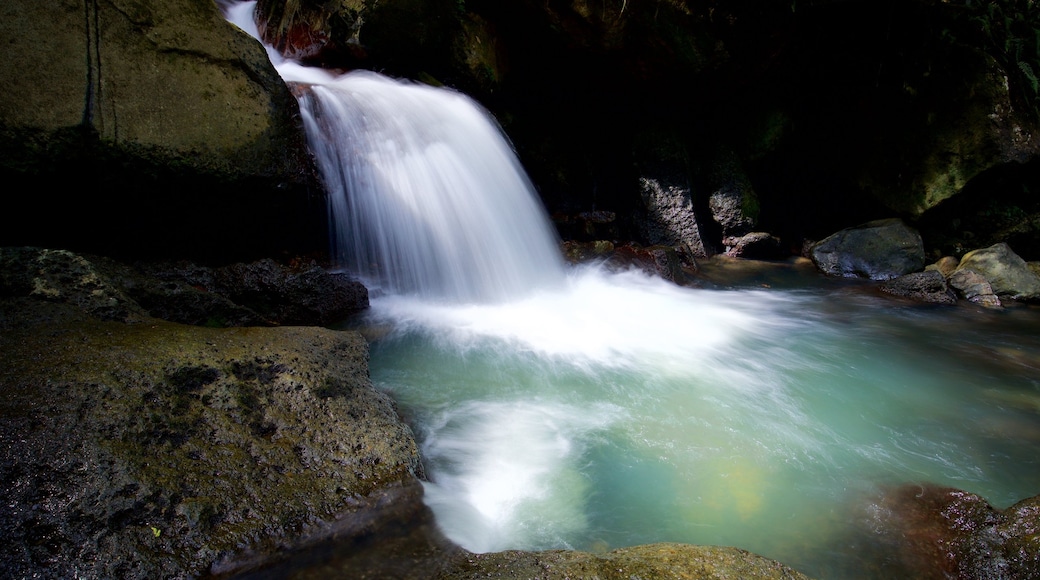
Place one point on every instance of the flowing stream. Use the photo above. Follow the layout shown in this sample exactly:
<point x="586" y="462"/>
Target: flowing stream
<point x="576" y="407"/>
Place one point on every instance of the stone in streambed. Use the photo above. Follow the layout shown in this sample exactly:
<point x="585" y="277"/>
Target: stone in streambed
<point x="878" y="250"/>
<point x="1007" y="273"/>
<point x="928" y="286"/>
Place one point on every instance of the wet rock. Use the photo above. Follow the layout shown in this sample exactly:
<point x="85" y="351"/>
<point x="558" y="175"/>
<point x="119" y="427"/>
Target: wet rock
<point x="1008" y="274"/>
<point x="663" y="261"/>
<point x="879" y="250"/>
<point x="928" y="286"/>
<point x="154" y="449"/>
<point x="755" y="246"/>
<point x="648" y="561"/>
<point x="61" y="276"/>
<point x="580" y="252"/>
<point x="929" y="531"/>
<point x="973" y="287"/>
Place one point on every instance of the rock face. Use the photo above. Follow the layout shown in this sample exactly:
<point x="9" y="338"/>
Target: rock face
<point x="150" y="449"/>
<point x="150" y="129"/>
<point x="879" y="250"/>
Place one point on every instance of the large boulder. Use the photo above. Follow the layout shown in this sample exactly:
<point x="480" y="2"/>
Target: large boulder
<point x="879" y="250"/>
<point x="147" y="128"/>
<point x="1008" y="274"/>
<point x="154" y="449"/>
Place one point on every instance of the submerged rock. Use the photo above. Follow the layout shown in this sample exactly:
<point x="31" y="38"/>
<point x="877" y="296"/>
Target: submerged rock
<point x="879" y="250"/>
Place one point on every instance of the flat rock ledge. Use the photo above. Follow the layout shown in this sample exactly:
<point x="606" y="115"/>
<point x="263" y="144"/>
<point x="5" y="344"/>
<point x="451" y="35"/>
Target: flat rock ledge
<point x="156" y="449"/>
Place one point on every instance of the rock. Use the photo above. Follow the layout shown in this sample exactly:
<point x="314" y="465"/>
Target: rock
<point x="974" y="287"/>
<point x="944" y="265"/>
<point x="669" y="214"/>
<point x="262" y="293"/>
<point x="580" y="252"/>
<point x="733" y="203"/>
<point x="659" y="260"/>
<point x="928" y="531"/>
<point x="1007" y="273"/>
<point x="302" y="294"/>
<point x="182" y="139"/>
<point x="755" y="246"/>
<point x="664" y="560"/>
<point x="928" y="286"/>
<point x="588" y="226"/>
<point x="154" y="449"/>
<point x="879" y="250"/>
<point x="60" y="276"/>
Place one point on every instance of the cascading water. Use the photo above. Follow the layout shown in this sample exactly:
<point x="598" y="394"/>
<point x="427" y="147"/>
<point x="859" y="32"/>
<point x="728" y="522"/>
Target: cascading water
<point x="426" y="194"/>
<point x="585" y="409"/>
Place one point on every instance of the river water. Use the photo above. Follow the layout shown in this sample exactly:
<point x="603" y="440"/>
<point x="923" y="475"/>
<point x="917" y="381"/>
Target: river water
<point x="764" y="412"/>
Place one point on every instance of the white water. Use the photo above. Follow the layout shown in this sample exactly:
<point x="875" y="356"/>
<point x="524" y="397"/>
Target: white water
<point x="584" y="409"/>
<point x="623" y="410"/>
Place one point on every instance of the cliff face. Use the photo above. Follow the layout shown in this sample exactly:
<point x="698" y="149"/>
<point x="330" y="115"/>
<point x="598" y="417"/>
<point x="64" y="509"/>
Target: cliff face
<point x="149" y="128"/>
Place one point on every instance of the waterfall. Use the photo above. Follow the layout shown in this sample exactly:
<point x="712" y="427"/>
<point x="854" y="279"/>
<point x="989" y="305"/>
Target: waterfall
<point x="426" y="195"/>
